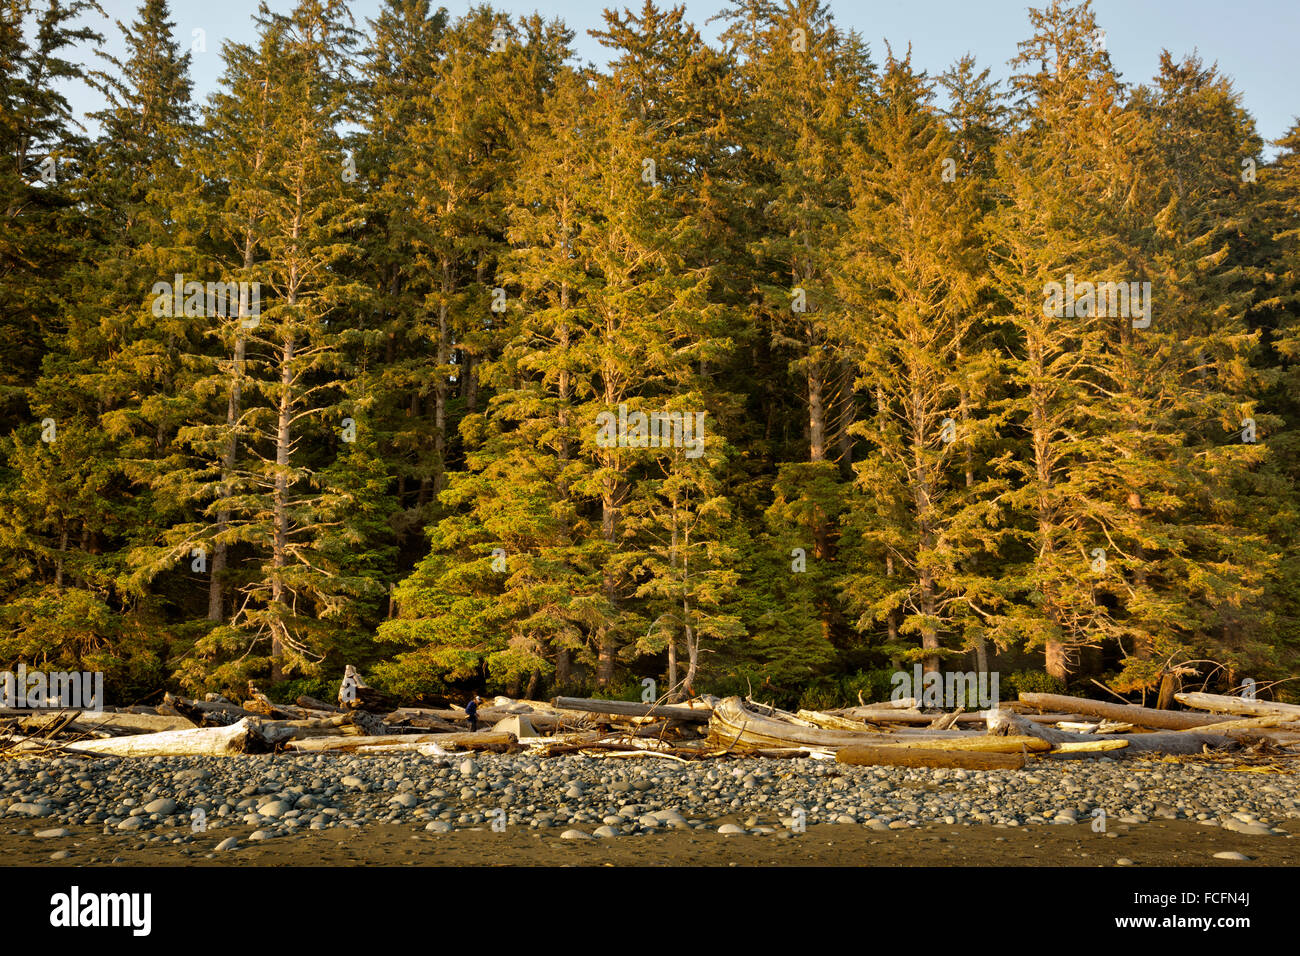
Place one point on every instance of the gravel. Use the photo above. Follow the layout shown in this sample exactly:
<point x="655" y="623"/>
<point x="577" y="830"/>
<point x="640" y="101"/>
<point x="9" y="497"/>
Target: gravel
<point x="160" y="798"/>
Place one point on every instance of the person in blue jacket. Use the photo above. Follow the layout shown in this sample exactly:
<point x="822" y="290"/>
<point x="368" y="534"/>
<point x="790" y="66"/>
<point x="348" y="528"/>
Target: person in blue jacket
<point x="471" y="711"/>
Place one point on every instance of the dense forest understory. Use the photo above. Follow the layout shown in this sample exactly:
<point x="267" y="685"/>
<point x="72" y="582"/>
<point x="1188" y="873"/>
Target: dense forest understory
<point x="772" y="365"/>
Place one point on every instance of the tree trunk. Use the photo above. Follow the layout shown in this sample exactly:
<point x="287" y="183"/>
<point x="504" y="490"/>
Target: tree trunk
<point x="816" y="413"/>
<point x="672" y="667"/>
<point x="848" y="415"/>
<point x="440" y="386"/>
<point x="280" y="546"/>
<point x="216" y="583"/>
<point x="562" y="668"/>
<point x="606" y="639"/>
<point x="692" y="660"/>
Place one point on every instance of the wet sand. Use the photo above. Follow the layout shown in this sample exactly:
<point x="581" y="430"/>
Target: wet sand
<point x="1158" y="843"/>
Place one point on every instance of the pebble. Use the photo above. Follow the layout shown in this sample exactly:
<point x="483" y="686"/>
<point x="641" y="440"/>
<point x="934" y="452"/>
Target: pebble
<point x="576" y="835"/>
<point x="1247" y="829"/>
<point x="1230" y="855"/>
<point x="227" y="844"/>
<point x="332" y="791"/>
<point x="47" y="834"/>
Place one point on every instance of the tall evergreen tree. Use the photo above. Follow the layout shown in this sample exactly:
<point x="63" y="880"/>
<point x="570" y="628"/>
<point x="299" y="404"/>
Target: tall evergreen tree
<point x="806" y="85"/>
<point x="913" y="262"/>
<point x="1056" y="172"/>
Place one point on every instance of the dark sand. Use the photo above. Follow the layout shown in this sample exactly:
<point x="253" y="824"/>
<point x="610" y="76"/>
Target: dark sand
<point x="1158" y="843"/>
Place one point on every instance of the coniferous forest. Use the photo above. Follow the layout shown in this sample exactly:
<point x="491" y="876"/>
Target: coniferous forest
<point x="771" y="364"/>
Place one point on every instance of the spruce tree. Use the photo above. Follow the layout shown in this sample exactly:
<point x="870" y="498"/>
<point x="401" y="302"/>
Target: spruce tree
<point x="913" y="263"/>
<point x="1056" y="173"/>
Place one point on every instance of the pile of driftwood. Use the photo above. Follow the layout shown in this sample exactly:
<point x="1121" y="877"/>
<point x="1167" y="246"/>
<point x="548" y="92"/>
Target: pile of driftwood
<point x="1037" y="726"/>
<point x="895" y="733"/>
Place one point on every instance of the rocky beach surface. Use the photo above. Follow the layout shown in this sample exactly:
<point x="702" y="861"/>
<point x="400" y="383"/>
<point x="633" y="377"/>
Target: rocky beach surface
<point x="194" y="802"/>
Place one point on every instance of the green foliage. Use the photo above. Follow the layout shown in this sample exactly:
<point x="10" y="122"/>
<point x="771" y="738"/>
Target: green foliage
<point x="848" y="691"/>
<point x="471" y="251"/>
<point x="1010" y="686"/>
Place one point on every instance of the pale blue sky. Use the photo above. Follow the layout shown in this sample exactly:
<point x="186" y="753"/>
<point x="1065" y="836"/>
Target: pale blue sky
<point x="1255" y="42"/>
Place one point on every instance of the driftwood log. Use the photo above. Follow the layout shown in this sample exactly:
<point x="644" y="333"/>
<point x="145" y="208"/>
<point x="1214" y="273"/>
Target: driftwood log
<point x="244" y="736"/>
<point x="738" y="727"/>
<point x="451" y="715"/>
<point x="1129" y="713"/>
<point x="311" y="703"/>
<point x="884" y="706"/>
<point x="627" y="708"/>
<point x="1223" y="704"/>
<point x="204" y="713"/>
<point x="480" y="740"/>
<point x="1176" y="742"/>
<point x="111" y="723"/>
<point x="909" y="757"/>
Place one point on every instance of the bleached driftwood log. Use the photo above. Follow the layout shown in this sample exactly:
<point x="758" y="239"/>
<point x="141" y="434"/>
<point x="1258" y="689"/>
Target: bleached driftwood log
<point x="1089" y="746"/>
<point x="904" y="703"/>
<point x="737" y="726"/>
<point x="112" y="723"/>
<point x="245" y="736"/>
<point x="1129" y="713"/>
<point x="1174" y="742"/>
<point x="629" y="708"/>
<point x="1254" y="723"/>
<point x="1223" y="704"/>
<point x="829" y="721"/>
<point x="454" y="718"/>
<point x="480" y="740"/>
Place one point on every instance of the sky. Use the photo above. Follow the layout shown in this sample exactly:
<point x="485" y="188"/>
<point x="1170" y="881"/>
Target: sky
<point x="1254" y="42"/>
